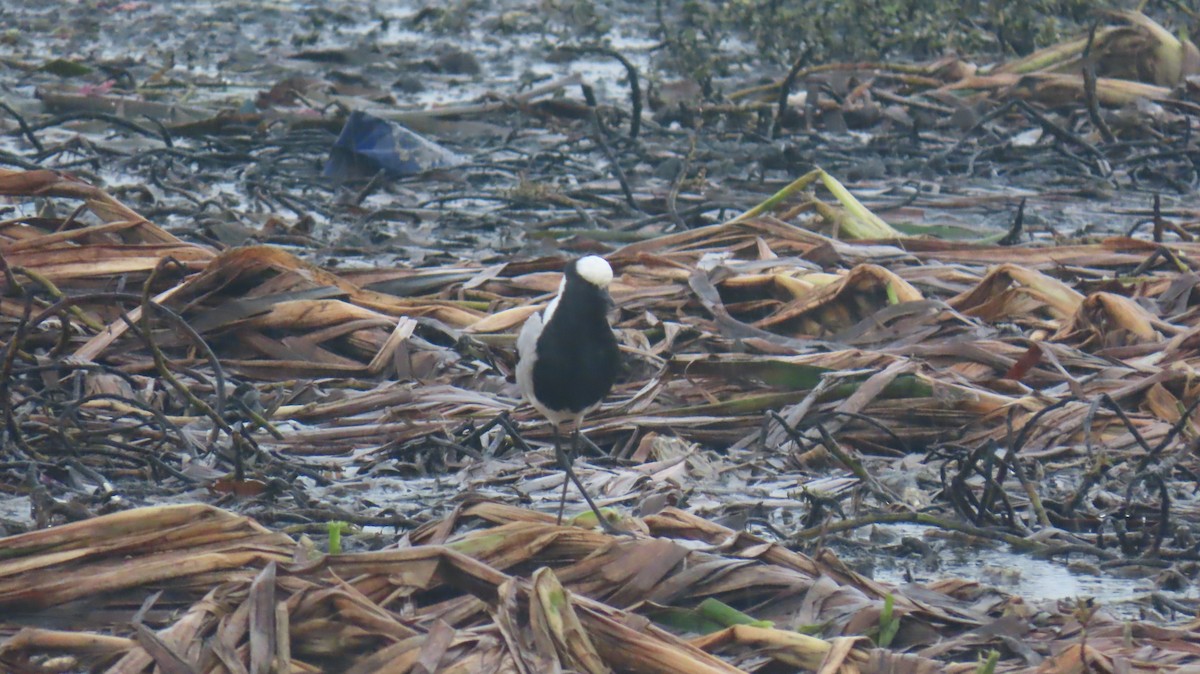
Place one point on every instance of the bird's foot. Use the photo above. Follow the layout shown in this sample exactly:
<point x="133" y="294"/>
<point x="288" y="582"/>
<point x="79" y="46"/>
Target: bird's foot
<point x="605" y="518"/>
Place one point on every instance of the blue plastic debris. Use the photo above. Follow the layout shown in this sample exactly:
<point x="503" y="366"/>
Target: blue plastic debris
<point x="368" y="144"/>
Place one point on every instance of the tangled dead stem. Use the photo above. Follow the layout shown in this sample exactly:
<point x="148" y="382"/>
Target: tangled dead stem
<point x="803" y="370"/>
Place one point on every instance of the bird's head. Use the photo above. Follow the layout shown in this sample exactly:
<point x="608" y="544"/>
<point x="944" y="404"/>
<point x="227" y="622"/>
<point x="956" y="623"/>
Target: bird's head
<point x="593" y="269"/>
<point x="591" y="276"/>
<point x="584" y="287"/>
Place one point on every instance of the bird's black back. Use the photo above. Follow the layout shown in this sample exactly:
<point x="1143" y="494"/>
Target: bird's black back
<point x="577" y="355"/>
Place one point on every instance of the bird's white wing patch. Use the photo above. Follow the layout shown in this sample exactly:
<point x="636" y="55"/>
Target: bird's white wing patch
<point x="526" y="358"/>
<point x="550" y="308"/>
<point x="527" y="340"/>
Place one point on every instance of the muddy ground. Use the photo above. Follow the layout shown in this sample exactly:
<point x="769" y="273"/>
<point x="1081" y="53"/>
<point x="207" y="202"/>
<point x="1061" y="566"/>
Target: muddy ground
<point x="561" y="150"/>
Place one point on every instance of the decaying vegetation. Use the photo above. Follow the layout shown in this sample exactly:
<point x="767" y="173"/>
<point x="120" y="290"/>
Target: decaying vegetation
<point x="802" y="369"/>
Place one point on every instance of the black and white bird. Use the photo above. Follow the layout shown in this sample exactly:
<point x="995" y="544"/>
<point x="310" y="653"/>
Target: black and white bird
<point x="568" y="358"/>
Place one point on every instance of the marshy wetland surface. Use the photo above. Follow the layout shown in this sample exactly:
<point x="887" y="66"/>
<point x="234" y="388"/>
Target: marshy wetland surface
<point x="908" y="324"/>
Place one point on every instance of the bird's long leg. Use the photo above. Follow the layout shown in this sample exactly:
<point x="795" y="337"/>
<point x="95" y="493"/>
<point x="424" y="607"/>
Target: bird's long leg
<point x="566" y="460"/>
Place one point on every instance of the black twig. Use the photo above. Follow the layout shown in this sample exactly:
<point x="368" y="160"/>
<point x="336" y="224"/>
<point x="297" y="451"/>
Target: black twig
<point x="25" y="130"/>
<point x="785" y="90"/>
<point x="590" y="97"/>
<point x="1089" y="88"/>
<point x="1014" y="231"/>
<point x="635" y="87"/>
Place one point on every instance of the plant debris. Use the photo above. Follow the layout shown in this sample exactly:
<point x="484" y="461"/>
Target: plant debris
<point x="494" y="586"/>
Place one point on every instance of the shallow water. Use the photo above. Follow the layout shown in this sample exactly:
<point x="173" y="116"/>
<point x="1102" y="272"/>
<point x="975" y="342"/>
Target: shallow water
<point x="1012" y="572"/>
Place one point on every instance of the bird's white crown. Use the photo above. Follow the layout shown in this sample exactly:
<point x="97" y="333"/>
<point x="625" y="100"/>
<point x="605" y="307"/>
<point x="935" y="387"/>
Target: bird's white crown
<point x="595" y="270"/>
